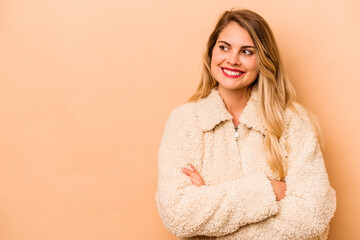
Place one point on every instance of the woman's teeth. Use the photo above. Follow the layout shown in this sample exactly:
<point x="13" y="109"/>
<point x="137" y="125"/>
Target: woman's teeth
<point x="231" y="72"/>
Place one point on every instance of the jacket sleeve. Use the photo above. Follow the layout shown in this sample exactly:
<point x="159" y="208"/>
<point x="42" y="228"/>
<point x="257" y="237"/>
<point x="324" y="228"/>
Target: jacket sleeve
<point x="310" y="201"/>
<point x="212" y="210"/>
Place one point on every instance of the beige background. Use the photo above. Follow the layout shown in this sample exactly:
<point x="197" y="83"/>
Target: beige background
<point x="86" y="88"/>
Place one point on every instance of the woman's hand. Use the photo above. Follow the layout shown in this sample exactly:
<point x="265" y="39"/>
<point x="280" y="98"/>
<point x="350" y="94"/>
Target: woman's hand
<point x="195" y="177"/>
<point x="279" y="188"/>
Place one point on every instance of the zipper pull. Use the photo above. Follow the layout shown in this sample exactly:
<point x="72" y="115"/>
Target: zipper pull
<point x="236" y="133"/>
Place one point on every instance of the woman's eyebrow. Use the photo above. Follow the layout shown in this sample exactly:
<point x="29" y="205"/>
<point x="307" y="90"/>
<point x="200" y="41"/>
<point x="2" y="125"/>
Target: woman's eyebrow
<point x="228" y="44"/>
<point x="247" y="46"/>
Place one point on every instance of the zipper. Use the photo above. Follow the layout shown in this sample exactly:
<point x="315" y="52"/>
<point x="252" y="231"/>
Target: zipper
<point x="236" y="145"/>
<point x="236" y="132"/>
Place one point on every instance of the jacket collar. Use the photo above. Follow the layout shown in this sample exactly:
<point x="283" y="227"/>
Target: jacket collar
<point x="211" y="111"/>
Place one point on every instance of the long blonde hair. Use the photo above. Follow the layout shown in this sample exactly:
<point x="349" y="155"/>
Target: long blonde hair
<point x="275" y="92"/>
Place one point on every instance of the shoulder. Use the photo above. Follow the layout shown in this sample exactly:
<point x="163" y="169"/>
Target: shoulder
<point x="298" y="127"/>
<point x="182" y="116"/>
<point x="297" y="118"/>
<point x="299" y="139"/>
<point x="182" y="120"/>
<point x="184" y="112"/>
<point x="182" y="134"/>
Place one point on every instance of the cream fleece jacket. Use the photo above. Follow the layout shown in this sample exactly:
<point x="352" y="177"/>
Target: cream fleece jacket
<point x="238" y="201"/>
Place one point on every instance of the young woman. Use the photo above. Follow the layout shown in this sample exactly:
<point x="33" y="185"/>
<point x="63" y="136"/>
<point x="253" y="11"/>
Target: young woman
<point x="241" y="159"/>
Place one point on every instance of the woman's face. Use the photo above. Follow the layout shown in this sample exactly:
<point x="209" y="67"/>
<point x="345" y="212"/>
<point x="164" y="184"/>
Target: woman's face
<point x="233" y="62"/>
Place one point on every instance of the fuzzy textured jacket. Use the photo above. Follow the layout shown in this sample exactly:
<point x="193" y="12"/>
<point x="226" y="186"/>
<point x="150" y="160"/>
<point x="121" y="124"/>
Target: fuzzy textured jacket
<point x="238" y="201"/>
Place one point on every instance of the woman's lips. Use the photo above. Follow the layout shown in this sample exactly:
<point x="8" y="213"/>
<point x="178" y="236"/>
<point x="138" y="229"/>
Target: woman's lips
<point x="232" y="73"/>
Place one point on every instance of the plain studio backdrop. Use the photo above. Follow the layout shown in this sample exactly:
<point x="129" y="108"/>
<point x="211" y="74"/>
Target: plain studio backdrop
<point x="86" y="88"/>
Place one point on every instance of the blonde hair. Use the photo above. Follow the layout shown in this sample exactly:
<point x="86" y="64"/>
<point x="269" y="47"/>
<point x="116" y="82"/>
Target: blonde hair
<point x="275" y="92"/>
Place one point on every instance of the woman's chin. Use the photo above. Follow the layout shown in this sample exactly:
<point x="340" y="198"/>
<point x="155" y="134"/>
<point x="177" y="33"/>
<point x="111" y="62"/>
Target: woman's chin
<point x="232" y="87"/>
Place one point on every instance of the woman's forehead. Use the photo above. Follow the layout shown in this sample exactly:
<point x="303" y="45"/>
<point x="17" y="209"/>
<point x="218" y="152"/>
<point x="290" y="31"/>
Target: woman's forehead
<point x="235" y="35"/>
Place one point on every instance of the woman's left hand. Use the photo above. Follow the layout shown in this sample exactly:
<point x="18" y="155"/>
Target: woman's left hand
<point x="195" y="177"/>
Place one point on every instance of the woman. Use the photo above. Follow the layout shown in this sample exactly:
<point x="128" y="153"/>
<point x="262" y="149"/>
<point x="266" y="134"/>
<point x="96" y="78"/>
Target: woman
<point x="241" y="159"/>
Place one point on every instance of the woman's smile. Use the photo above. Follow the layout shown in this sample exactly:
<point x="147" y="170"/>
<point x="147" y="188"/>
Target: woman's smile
<point x="232" y="73"/>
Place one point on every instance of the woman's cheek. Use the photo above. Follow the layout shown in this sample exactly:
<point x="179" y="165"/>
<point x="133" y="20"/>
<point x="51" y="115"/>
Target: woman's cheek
<point x="220" y="58"/>
<point x="250" y="63"/>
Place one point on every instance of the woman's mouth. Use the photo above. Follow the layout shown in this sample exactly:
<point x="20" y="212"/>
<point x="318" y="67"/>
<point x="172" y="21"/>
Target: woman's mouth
<point x="232" y="73"/>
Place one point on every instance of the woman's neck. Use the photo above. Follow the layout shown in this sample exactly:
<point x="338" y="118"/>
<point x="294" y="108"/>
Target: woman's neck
<point x="235" y="101"/>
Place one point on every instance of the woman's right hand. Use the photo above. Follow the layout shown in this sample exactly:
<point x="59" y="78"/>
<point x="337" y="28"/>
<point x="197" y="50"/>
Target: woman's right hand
<point x="194" y="175"/>
<point x="279" y="188"/>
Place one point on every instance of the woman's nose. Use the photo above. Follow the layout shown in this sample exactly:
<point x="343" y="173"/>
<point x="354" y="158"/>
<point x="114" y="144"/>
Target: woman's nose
<point x="234" y="59"/>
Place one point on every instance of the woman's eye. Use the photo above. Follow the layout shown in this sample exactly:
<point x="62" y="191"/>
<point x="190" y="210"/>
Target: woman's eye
<point x="223" y="48"/>
<point x="247" y="52"/>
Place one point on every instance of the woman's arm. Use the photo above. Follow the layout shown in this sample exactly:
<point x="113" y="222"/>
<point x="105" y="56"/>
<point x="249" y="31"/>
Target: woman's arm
<point x="279" y="187"/>
<point x="310" y="201"/>
<point x="187" y="210"/>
